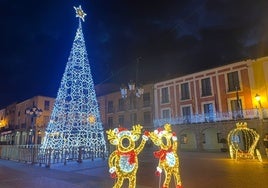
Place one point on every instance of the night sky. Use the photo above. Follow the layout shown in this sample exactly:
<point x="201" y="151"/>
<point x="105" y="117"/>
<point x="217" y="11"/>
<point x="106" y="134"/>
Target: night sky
<point x="169" y="37"/>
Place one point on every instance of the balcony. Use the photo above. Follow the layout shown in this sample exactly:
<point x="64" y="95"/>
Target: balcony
<point x="215" y="117"/>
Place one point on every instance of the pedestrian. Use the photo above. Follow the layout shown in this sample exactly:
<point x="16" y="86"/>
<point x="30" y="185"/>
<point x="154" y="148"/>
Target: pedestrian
<point x="265" y="143"/>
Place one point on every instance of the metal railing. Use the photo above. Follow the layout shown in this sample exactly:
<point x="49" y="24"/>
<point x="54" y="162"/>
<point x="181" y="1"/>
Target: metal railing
<point x="34" y="154"/>
<point x="214" y="117"/>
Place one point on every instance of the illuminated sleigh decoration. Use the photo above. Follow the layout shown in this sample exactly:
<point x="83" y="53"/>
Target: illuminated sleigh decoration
<point x="242" y="143"/>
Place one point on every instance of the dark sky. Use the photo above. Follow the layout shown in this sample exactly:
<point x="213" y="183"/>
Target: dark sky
<point x="172" y="37"/>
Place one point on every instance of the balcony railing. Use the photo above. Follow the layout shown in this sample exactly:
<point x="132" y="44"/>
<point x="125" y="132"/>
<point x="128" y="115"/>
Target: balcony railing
<point x="214" y="117"/>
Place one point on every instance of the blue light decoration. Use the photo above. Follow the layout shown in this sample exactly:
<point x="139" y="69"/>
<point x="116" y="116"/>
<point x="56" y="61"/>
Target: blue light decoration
<point x="75" y="119"/>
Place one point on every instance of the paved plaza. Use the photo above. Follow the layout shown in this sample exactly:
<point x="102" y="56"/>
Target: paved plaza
<point x="198" y="170"/>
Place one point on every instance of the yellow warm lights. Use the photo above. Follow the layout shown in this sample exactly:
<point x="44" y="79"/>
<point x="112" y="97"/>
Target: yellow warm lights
<point x="92" y="119"/>
<point x="3" y="123"/>
<point x="258" y="97"/>
<point x="80" y="13"/>
<point x="166" y="140"/>
<point x="123" y="162"/>
<point x="242" y="142"/>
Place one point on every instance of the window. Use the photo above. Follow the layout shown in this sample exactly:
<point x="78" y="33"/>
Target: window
<point x="236" y="108"/>
<point x="133" y="118"/>
<point x="203" y="138"/>
<point x="121" y="120"/>
<point x="206" y="87"/>
<point x="185" y="91"/>
<point x="146" y="99"/>
<point x="219" y="137"/>
<point x="110" y="122"/>
<point x="233" y="81"/>
<point x="110" y="106"/>
<point x="186" y="113"/>
<point x="208" y="112"/>
<point x="147" y="117"/>
<point x="121" y="105"/>
<point x="46" y="105"/>
<point x="165" y="95"/>
<point x="132" y="102"/>
<point x="183" y="139"/>
<point x="166" y="113"/>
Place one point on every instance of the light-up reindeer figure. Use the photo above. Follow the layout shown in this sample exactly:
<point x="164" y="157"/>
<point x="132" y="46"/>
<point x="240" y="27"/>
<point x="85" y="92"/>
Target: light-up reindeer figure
<point x="166" y="140"/>
<point x="123" y="162"/>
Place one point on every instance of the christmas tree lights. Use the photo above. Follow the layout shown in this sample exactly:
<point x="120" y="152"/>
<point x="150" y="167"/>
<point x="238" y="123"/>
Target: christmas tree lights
<point x="75" y="119"/>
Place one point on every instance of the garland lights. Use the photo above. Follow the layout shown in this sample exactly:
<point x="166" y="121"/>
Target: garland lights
<point x="242" y="142"/>
<point x="75" y="119"/>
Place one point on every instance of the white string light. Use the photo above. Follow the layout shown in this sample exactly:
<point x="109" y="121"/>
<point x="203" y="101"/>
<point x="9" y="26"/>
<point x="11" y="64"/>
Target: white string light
<point x="75" y="119"/>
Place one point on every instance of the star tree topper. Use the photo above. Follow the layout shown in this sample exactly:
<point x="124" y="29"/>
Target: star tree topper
<point x="80" y="13"/>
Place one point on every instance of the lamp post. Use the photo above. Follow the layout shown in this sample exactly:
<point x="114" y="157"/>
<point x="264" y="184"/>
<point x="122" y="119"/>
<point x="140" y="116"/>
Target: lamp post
<point x="133" y="91"/>
<point x="258" y="99"/>
<point x="260" y="115"/>
<point x="33" y="112"/>
<point x="132" y="88"/>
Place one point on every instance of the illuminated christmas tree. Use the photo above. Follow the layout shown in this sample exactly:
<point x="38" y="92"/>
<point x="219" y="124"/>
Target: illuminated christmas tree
<point x="75" y="119"/>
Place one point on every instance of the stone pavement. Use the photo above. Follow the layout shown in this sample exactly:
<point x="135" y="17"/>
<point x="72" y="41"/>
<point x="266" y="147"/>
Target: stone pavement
<point x="198" y="170"/>
<point x="88" y="174"/>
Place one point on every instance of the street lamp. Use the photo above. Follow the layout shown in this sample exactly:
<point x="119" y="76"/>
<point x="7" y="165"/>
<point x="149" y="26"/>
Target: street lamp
<point x="258" y="99"/>
<point x="133" y="91"/>
<point x="33" y="112"/>
<point x="132" y="88"/>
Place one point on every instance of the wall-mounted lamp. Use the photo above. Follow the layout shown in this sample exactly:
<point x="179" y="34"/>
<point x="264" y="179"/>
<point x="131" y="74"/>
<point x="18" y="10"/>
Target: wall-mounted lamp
<point x="258" y="99"/>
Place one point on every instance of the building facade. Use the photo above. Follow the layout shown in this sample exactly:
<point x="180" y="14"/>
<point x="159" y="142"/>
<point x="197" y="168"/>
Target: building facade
<point x="204" y="106"/>
<point x="117" y="111"/>
<point x="22" y="128"/>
